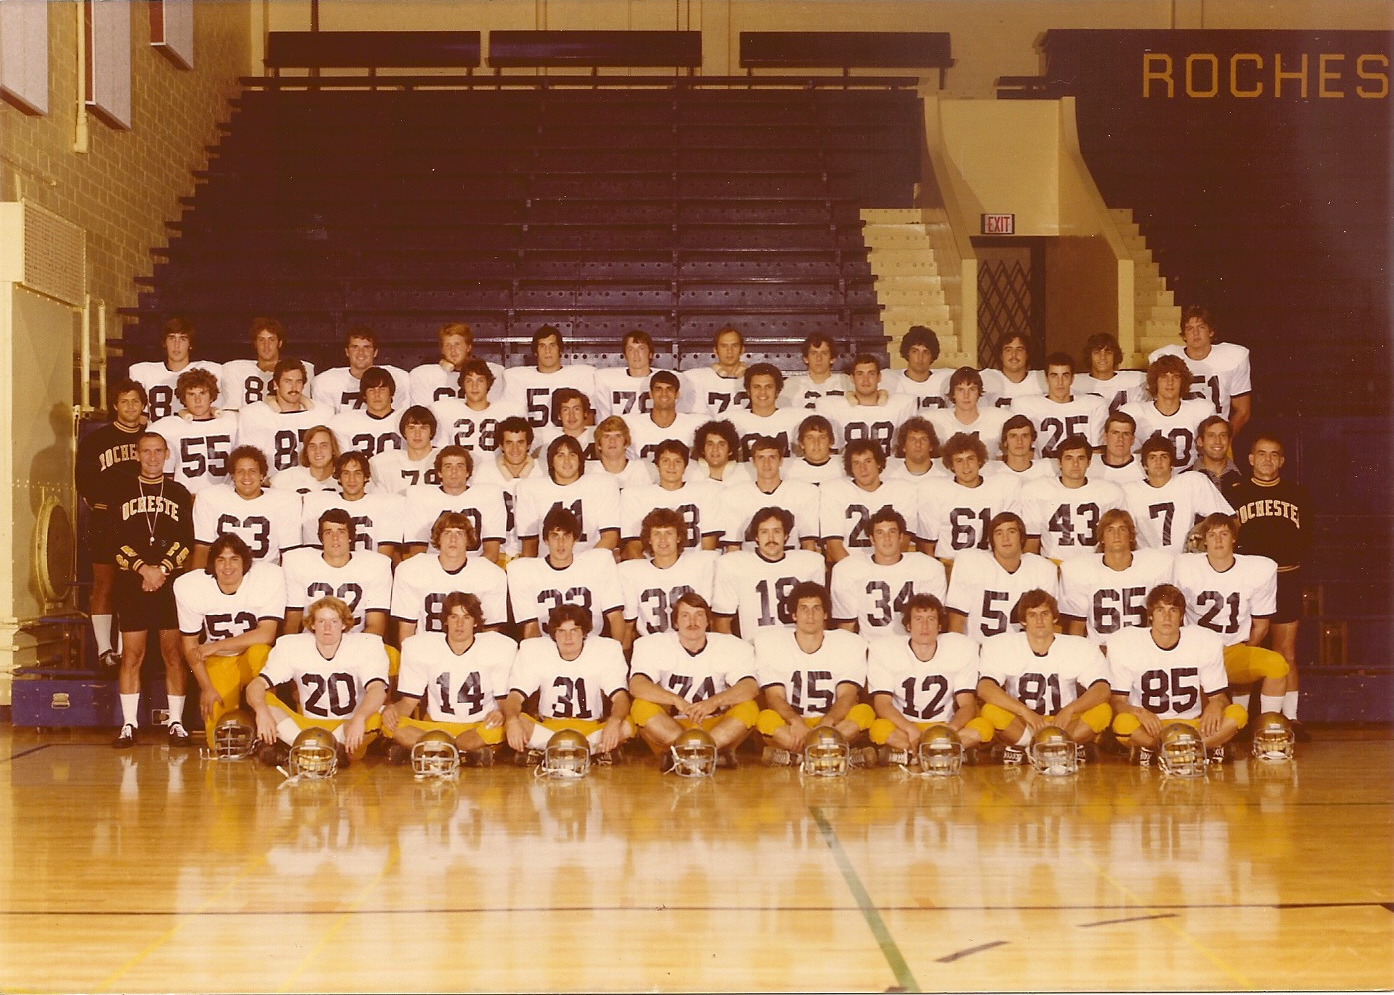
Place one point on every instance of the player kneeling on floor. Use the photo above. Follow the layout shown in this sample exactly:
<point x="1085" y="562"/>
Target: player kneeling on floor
<point x="461" y="674"/>
<point x="341" y="680"/>
<point x="580" y="684"/>
<point x="692" y="678"/>
<point x="1170" y="673"/>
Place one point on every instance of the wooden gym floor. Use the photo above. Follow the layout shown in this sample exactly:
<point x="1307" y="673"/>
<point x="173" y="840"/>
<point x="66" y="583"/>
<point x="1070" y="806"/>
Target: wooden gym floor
<point x="127" y="872"/>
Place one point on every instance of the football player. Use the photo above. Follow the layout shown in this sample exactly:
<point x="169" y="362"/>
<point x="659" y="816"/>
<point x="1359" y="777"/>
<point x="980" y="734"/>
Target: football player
<point x="1018" y="447"/>
<point x="1235" y="595"/>
<point x="1061" y="411"/>
<point x="152" y="537"/>
<point x="105" y="456"/>
<point x="699" y="502"/>
<point x="1213" y="439"/>
<point x="507" y="469"/>
<point x="690" y="677"/>
<point x="624" y="390"/>
<point x="716" y="444"/>
<point x="919" y="347"/>
<point x="229" y="614"/>
<point x="752" y="589"/>
<point x="432" y="382"/>
<point x="915" y="455"/>
<point x="461" y="673"/>
<point x="1167" y="411"/>
<point x="580" y="683"/>
<point x="268" y="521"/>
<point x="1062" y="513"/>
<point x="921" y="676"/>
<point x="816" y="463"/>
<point x="200" y="437"/>
<point x="807" y="389"/>
<point x="1102" y="357"/>
<point x="483" y="504"/>
<point x="1013" y="376"/>
<point x="810" y="677"/>
<point x="159" y="378"/>
<point x="968" y="414"/>
<point x="1035" y="678"/>
<point x="712" y="391"/>
<point x="594" y="499"/>
<point x="422" y="582"/>
<point x="869" y="592"/>
<point x="393" y="471"/>
<point x="845" y="506"/>
<point x="247" y="381"/>
<point x="612" y="455"/>
<point x="1118" y="462"/>
<point x="985" y="584"/>
<point x="663" y="421"/>
<point x="570" y="412"/>
<point x="277" y="424"/>
<point x="652" y="584"/>
<point x="341" y="387"/>
<point x="373" y="427"/>
<point x="360" y="578"/>
<point x="866" y="411"/>
<point x="768" y="489"/>
<point x="1168" y="672"/>
<point x="565" y="575"/>
<point x="341" y="683"/>
<point x="1105" y="592"/>
<point x="531" y="387"/>
<point x="377" y="517"/>
<point x="764" y="418"/>
<point x="1165" y="505"/>
<point x="472" y="420"/>
<point x="954" y="515"/>
<point x="1219" y="370"/>
<point x="319" y="455"/>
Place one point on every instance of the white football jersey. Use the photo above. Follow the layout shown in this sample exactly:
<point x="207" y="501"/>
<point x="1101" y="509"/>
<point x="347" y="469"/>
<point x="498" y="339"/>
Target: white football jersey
<point x="700" y="504"/>
<point x="393" y="471"/>
<point x="1178" y="429"/>
<point x="1035" y="470"/>
<point x="707" y="394"/>
<point x="244" y="383"/>
<point x="268" y="523"/>
<point x="278" y="434"/>
<point x="1109" y="600"/>
<point x="809" y="680"/>
<point x="209" y="613"/>
<point x="718" y="666"/>
<point x="802" y="393"/>
<point x="198" y="450"/>
<point x="1228" y="602"/>
<point x="1122" y="387"/>
<point x="457" y="424"/>
<point x="1083" y="414"/>
<point x="432" y="382"/>
<point x="357" y="431"/>
<point x="1130" y="472"/>
<point x="457" y="687"/>
<point x="756" y="590"/>
<point x="1167" y="682"/>
<point x="955" y="518"/>
<point x="984" y="592"/>
<point x="300" y="480"/>
<point x="421" y="584"/>
<point x="897" y="470"/>
<point x="529" y="388"/>
<point x="364" y="583"/>
<point x="1220" y="376"/>
<point x="591" y="581"/>
<point x="482" y="504"/>
<point x="377" y="518"/>
<point x="159" y="380"/>
<point x="845" y="510"/>
<point x="873" y="595"/>
<point x="548" y="434"/>
<point x="782" y="426"/>
<point x="650" y="592"/>
<point x="878" y="422"/>
<point x="813" y="473"/>
<point x="1045" y="684"/>
<point x="570" y="689"/>
<point x="333" y="688"/>
<point x="489" y="471"/>
<point x="798" y="497"/>
<point x="987" y="428"/>
<point x="339" y="389"/>
<point x="594" y="499"/>
<point x="1000" y="392"/>
<point x="923" y="690"/>
<point x="633" y="474"/>
<point x="1066" y="519"/>
<point x="931" y="395"/>
<point x="1164" y="515"/>
<point x="645" y="436"/>
<point x="618" y="393"/>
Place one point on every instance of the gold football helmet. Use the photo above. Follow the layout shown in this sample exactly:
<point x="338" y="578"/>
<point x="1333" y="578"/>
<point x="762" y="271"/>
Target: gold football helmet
<point x="435" y="755"/>
<point x="1273" y="738"/>
<point x="1053" y="753"/>
<point x="314" y="754"/>
<point x="567" y="755"/>
<point x="940" y="751"/>
<point x="1181" y="752"/>
<point x="235" y="735"/>
<point x="826" y="753"/>
<point x="694" y="754"/>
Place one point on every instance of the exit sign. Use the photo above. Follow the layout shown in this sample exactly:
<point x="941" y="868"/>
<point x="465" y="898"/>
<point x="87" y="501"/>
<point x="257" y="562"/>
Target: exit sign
<point x="999" y="224"/>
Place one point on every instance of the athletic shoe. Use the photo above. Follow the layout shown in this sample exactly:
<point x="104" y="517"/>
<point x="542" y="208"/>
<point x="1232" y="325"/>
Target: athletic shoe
<point x="126" y="739"/>
<point x="1299" y="731"/>
<point x="1013" y="756"/>
<point x="110" y="658"/>
<point x="1218" y="755"/>
<point x="1142" y="756"/>
<point x="398" y="755"/>
<point x="274" y="754"/>
<point x="482" y="757"/>
<point x="606" y="759"/>
<point x="773" y="756"/>
<point x="666" y="761"/>
<point x="893" y="758"/>
<point x="726" y="760"/>
<point x="341" y="755"/>
<point x="178" y="737"/>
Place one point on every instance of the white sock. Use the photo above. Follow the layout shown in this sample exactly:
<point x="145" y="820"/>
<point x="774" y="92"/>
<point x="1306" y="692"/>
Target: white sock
<point x="1242" y="700"/>
<point x="130" y="709"/>
<point x="1290" y="705"/>
<point x="1025" y="739"/>
<point x="287" y="730"/>
<point x="101" y="628"/>
<point x="541" y="735"/>
<point x="1270" y="703"/>
<point x="176" y="709"/>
